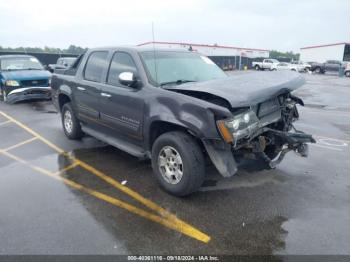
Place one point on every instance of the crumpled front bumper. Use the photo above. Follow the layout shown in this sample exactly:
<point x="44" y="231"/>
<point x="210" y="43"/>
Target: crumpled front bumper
<point x="28" y="93"/>
<point x="222" y="157"/>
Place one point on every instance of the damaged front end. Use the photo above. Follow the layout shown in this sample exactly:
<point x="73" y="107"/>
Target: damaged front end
<point x="262" y="132"/>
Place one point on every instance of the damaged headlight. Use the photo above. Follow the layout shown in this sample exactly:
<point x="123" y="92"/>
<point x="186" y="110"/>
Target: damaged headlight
<point x="238" y="127"/>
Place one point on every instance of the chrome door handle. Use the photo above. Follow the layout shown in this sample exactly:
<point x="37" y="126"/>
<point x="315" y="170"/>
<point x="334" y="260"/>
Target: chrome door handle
<point x="81" y="88"/>
<point x="105" y="95"/>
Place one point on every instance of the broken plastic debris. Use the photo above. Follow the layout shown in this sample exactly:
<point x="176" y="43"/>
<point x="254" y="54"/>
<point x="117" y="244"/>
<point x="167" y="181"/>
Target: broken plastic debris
<point x="243" y="224"/>
<point x="124" y="182"/>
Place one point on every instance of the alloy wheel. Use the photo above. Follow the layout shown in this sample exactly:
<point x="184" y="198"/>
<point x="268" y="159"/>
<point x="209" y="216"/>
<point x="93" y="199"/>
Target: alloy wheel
<point x="170" y="165"/>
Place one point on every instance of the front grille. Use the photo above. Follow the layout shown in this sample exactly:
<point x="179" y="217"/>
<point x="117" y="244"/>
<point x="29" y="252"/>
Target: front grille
<point x="35" y="82"/>
<point x="268" y="107"/>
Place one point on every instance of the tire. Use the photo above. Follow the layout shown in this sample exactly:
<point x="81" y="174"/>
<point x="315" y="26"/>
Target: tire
<point x="167" y="148"/>
<point x="318" y="70"/>
<point x="70" y="123"/>
<point x="257" y="68"/>
<point x="347" y="73"/>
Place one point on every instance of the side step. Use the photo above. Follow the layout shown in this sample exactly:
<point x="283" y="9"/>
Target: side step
<point x="118" y="143"/>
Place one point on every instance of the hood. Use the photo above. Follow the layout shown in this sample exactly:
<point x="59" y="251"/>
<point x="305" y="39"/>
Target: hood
<point x="25" y="74"/>
<point x="246" y="89"/>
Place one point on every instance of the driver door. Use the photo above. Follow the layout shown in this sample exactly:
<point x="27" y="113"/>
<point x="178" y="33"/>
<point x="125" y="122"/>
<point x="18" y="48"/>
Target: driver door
<point x="122" y="106"/>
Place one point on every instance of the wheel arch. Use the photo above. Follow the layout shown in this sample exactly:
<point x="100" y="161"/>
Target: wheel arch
<point x="159" y="127"/>
<point x="62" y="99"/>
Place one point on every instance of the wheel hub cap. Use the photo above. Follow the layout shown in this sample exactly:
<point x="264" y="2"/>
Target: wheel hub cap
<point x="68" y="123"/>
<point x="170" y="165"/>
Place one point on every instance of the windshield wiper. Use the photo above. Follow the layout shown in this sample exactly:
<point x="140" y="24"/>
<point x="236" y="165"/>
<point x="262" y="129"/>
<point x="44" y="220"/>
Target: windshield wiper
<point x="177" y="82"/>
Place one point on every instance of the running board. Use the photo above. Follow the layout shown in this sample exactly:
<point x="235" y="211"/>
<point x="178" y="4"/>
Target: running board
<point x="118" y="143"/>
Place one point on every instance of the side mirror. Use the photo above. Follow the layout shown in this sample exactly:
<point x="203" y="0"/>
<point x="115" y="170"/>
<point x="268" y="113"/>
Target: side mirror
<point x="127" y="79"/>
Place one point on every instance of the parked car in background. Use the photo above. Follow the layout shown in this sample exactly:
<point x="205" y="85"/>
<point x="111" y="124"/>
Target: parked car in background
<point x="347" y="69"/>
<point x="179" y="113"/>
<point x="283" y="66"/>
<point x="62" y="63"/>
<point x="265" y="64"/>
<point x="23" y="77"/>
<point x="301" y="66"/>
<point x="328" y="66"/>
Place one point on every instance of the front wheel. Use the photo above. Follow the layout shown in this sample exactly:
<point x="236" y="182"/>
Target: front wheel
<point x="70" y="123"/>
<point x="178" y="163"/>
<point x="347" y="73"/>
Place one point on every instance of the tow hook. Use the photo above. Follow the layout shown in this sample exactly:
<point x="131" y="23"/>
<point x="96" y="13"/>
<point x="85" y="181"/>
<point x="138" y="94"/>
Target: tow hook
<point x="302" y="150"/>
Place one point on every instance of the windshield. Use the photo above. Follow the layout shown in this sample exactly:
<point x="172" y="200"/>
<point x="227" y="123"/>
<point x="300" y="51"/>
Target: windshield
<point x="179" y="67"/>
<point x="20" y="63"/>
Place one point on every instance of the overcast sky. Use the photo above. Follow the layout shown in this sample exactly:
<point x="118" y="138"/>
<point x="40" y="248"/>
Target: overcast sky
<point x="268" y="24"/>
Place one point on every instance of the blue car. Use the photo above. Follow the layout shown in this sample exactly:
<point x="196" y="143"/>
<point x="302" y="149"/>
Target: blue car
<point x="23" y="77"/>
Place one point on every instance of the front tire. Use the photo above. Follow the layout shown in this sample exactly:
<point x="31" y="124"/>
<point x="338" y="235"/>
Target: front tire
<point x="70" y="123"/>
<point x="347" y="73"/>
<point x="178" y="163"/>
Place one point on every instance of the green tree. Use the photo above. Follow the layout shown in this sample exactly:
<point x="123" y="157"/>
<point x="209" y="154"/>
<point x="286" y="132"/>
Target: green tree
<point x="289" y="55"/>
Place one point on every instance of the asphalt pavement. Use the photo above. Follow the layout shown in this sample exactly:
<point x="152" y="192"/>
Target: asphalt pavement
<point x="59" y="196"/>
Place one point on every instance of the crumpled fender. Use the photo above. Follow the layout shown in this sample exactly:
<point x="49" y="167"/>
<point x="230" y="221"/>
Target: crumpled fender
<point x="222" y="157"/>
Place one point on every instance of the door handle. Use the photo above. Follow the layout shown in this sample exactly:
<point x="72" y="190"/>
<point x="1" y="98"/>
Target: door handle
<point x="81" y="88"/>
<point x="105" y="95"/>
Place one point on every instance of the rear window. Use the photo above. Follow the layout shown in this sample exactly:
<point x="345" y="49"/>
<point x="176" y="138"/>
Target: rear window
<point x="95" y="65"/>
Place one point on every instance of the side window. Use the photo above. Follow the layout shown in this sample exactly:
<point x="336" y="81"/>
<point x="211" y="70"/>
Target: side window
<point x="268" y="61"/>
<point x="97" y="61"/>
<point x="121" y="62"/>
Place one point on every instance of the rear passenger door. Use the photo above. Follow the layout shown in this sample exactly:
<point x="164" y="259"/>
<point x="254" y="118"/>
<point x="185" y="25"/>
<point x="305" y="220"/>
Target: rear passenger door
<point x="332" y="65"/>
<point x="122" y="106"/>
<point x="87" y="91"/>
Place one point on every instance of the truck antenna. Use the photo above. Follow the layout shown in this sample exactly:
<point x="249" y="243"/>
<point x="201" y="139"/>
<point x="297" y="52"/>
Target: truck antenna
<point x="154" y="54"/>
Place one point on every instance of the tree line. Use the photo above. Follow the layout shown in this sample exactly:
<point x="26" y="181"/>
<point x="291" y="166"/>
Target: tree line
<point x="72" y="49"/>
<point x="77" y="50"/>
<point x="290" y="55"/>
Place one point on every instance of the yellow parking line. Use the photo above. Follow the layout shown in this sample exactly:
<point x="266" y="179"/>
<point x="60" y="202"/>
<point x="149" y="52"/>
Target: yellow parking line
<point x="191" y="231"/>
<point x="96" y="172"/>
<point x="5" y="122"/>
<point x="20" y="144"/>
<point x="67" y="168"/>
<point x="187" y="230"/>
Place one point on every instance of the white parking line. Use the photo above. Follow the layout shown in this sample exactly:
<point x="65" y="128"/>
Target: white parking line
<point x="5" y="122"/>
<point x="327" y="147"/>
<point x="341" y="141"/>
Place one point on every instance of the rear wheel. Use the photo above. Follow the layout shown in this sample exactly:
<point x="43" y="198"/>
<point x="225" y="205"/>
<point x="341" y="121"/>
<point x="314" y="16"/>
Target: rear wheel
<point x="347" y="73"/>
<point x="318" y="70"/>
<point x="257" y="68"/>
<point x="70" y="123"/>
<point x="178" y="163"/>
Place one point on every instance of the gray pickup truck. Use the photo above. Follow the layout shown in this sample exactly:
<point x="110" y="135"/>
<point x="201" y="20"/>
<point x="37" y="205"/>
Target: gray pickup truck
<point x="180" y="110"/>
<point x="328" y="66"/>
